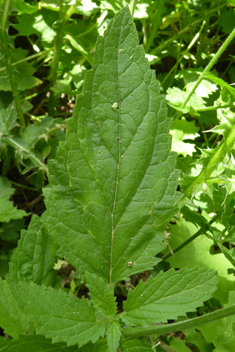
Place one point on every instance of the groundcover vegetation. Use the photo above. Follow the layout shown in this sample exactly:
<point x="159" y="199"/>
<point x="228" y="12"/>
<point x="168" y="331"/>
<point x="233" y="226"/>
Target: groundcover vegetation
<point x="117" y="176"/>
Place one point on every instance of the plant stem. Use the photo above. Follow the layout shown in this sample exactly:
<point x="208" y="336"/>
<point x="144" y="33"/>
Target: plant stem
<point x="30" y="154"/>
<point x="8" y="64"/>
<point x="185" y="52"/>
<point x="179" y="326"/>
<point x="225" y="146"/>
<point x="41" y="55"/>
<point x="198" y="233"/>
<point x="132" y="7"/>
<point x="209" y="66"/>
<point x="211" y="108"/>
<point x="58" y="42"/>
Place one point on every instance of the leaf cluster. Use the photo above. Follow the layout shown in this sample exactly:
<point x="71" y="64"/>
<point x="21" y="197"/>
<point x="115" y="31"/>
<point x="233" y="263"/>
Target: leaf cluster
<point x="138" y="229"/>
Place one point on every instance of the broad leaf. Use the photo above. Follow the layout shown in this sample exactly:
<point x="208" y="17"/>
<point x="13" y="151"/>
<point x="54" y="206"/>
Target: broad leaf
<point x="102" y="295"/>
<point x="34" y="258"/>
<point x="113" y="182"/>
<point x="62" y="317"/>
<point x="12" y="319"/>
<point x="34" y="343"/>
<point x="168" y="296"/>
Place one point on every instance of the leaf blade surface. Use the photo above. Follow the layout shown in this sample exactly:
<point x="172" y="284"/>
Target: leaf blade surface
<point x="59" y="316"/>
<point x="113" y="183"/>
<point x="169" y="295"/>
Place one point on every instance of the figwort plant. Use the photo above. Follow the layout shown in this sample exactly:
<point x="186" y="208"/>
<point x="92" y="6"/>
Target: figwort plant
<point x="111" y="194"/>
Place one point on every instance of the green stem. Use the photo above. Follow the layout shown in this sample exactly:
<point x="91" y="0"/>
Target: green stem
<point x="179" y="326"/>
<point x="8" y="64"/>
<point x="30" y="155"/>
<point x="201" y="231"/>
<point x="132" y="7"/>
<point x="211" y="108"/>
<point x="41" y="55"/>
<point x="58" y="43"/>
<point x="209" y="66"/>
<point x="185" y="52"/>
<point x="225" y="146"/>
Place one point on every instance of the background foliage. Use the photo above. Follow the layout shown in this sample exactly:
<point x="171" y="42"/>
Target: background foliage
<point x="46" y="49"/>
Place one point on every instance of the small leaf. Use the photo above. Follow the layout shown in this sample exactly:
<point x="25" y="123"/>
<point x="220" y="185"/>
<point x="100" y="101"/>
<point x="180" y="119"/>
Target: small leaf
<point x="135" y="346"/>
<point x="60" y="316"/>
<point x="8" y="120"/>
<point x="102" y="295"/>
<point x="34" y="258"/>
<point x="113" y="335"/>
<point x="176" y="98"/>
<point x="7" y="210"/>
<point x="221" y="83"/>
<point x="182" y="130"/>
<point x="168" y="296"/>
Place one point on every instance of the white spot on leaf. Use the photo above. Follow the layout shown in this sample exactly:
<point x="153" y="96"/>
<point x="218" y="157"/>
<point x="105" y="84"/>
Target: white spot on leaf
<point x="115" y="106"/>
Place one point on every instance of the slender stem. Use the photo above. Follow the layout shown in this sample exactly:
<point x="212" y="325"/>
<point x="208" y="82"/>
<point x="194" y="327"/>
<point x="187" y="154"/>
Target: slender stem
<point x="185" y="51"/>
<point x="57" y="48"/>
<point x="132" y="7"/>
<point x="198" y="233"/>
<point x="209" y="66"/>
<point x="179" y="326"/>
<point x="22" y="186"/>
<point x="5" y="14"/>
<point x="225" y="146"/>
<point x="41" y="54"/>
<point x="11" y="141"/>
<point x="211" y="108"/>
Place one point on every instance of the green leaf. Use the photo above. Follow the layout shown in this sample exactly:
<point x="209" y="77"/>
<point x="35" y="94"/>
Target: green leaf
<point x="176" y="98"/>
<point x="34" y="343"/>
<point x="7" y="210"/>
<point x="34" y="258"/>
<point x="22" y="6"/>
<point x="102" y="295"/>
<point x="177" y="344"/>
<point x="8" y="120"/>
<point x="12" y="319"/>
<point x="135" y="346"/>
<point x="221" y="83"/>
<point x="227" y="19"/>
<point x="221" y="332"/>
<point x="197" y="253"/>
<point x="227" y="123"/>
<point x="23" y="72"/>
<point x="182" y="130"/>
<point x="168" y="296"/>
<point x="60" y="316"/>
<point x="113" y="335"/>
<point x="10" y="231"/>
<point x="113" y="182"/>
